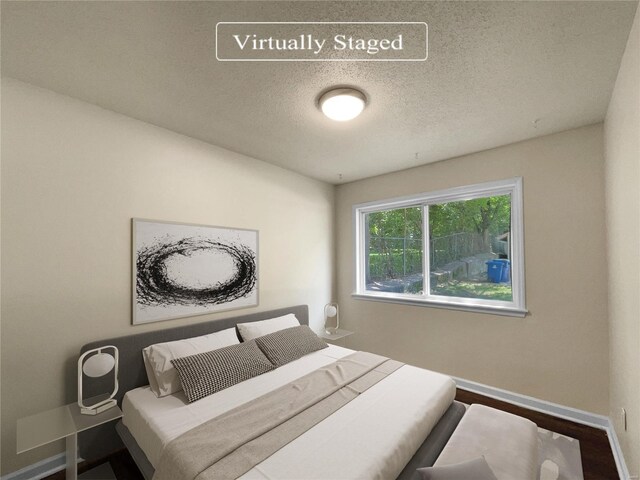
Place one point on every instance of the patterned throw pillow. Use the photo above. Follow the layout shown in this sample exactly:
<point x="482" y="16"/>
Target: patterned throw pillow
<point x="289" y="344"/>
<point x="205" y="373"/>
<point x="163" y="378"/>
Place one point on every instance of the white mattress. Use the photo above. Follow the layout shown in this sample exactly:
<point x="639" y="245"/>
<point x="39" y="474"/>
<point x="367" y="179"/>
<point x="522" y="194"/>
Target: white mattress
<point x="373" y="436"/>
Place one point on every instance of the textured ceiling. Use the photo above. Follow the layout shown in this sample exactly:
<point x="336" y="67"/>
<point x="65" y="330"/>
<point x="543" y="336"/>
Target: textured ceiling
<point x="497" y="72"/>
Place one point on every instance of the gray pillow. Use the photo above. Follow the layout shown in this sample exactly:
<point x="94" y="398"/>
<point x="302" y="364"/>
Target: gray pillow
<point x="205" y="373"/>
<point x="289" y="344"/>
<point x="476" y="469"/>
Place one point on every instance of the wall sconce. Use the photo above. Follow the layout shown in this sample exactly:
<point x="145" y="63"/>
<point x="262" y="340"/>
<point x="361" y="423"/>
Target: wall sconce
<point x="96" y="363"/>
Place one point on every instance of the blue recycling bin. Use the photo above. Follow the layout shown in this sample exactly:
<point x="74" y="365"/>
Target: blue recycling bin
<point x="494" y="271"/>
<point x="506" y="270"/>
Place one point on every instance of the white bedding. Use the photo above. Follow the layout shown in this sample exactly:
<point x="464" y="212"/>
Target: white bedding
<point x="394" y="416"/>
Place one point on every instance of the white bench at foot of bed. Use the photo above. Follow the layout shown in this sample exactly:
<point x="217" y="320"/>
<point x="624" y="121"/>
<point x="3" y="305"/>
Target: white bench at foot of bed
<point x="508" y="443"/>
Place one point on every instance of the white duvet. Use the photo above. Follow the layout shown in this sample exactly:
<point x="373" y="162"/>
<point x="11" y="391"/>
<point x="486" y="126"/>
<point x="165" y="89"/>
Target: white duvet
<point x="373" y="436"/>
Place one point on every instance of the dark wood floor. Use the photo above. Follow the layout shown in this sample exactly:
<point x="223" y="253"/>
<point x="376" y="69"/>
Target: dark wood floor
<point x="597" y="459"/>
<point x="121" y="462"/>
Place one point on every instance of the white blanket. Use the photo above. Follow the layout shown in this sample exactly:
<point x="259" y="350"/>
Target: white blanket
<point x="372" y="437"/>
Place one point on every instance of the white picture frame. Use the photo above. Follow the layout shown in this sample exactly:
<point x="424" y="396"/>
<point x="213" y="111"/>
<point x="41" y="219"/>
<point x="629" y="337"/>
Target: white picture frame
<point x="183" y="269"/>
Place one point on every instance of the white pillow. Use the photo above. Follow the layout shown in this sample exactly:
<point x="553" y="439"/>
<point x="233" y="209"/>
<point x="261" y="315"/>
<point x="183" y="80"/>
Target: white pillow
<point x="164" y="379"/>
<point x="251" y="330"/>
<point x="151" y="376"/>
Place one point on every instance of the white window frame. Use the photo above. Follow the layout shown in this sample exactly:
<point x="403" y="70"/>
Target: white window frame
<point x="512" y="186"/>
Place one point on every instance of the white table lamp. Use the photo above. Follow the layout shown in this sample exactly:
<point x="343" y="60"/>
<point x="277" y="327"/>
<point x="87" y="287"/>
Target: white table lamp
<point x="331" y="310"/>
<point x="96" y="363"/>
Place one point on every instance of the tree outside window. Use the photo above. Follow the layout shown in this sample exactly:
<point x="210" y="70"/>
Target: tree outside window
<point x="463" y="237"/>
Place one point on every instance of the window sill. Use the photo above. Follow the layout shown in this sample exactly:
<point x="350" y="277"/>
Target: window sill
<point x="491" y="310"/>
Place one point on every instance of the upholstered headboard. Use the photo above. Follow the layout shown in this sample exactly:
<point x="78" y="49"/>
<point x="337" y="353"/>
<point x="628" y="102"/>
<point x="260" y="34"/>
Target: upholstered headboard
<point x="132" y="373"/>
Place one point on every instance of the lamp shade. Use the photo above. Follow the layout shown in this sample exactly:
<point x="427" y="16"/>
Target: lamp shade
<point x="332" y="311"/>
<point x="98" y="365"/>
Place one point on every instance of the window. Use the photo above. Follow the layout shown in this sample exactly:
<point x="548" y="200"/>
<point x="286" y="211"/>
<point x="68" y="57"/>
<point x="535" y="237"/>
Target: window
<point x="459" y="248"/>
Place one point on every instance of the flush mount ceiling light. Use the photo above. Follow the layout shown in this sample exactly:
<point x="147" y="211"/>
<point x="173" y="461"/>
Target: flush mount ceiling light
<point x="342" y="104"/>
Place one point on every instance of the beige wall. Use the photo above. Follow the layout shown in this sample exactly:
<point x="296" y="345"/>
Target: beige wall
<point x="73" y="176"/>
<point x="559" y="352"/>
<point x="622" y="170"/>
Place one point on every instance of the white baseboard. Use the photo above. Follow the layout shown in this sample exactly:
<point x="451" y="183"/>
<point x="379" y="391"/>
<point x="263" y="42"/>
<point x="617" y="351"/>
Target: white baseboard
<point x="39" y="470"/>
<point x="617" y="453"/>
<point x="56" y="463"/>
<point x="567" y="413"/>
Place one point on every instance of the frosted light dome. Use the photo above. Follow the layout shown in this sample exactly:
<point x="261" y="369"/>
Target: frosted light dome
<point x="98" y="365"/>
<point x="342" y="104"/>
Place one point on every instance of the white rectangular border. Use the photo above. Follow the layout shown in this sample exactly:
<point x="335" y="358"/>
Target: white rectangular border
<point x="136" y="321"/>
<point x="515" y="308"/>
<point x="426" y="28"/>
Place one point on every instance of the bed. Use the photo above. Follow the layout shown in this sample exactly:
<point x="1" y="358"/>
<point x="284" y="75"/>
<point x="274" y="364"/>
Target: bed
<point x="400" y="423"/>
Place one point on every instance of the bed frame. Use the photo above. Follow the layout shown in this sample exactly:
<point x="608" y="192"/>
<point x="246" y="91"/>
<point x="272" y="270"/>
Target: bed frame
<point x="100" y="442"/>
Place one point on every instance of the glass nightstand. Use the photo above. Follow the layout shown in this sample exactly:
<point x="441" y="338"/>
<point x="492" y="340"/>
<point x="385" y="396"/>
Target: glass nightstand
<point x="335" y="334"/>
<point x="58" y="423"/>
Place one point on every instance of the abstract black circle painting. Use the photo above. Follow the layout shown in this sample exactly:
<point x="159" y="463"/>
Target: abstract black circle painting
<point x="184" y="269"/>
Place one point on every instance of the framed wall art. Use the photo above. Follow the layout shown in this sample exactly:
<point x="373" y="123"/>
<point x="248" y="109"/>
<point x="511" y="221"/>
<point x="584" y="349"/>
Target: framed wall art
<point x="180" y="270"/>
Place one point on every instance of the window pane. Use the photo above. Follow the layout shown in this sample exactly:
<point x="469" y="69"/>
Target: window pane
<point x="470" y="248"/>
<point x="394" y="251"/>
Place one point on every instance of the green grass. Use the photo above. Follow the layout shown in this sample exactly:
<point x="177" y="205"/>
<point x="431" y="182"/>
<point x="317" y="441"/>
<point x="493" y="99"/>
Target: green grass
<point x="486" y="290"/>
